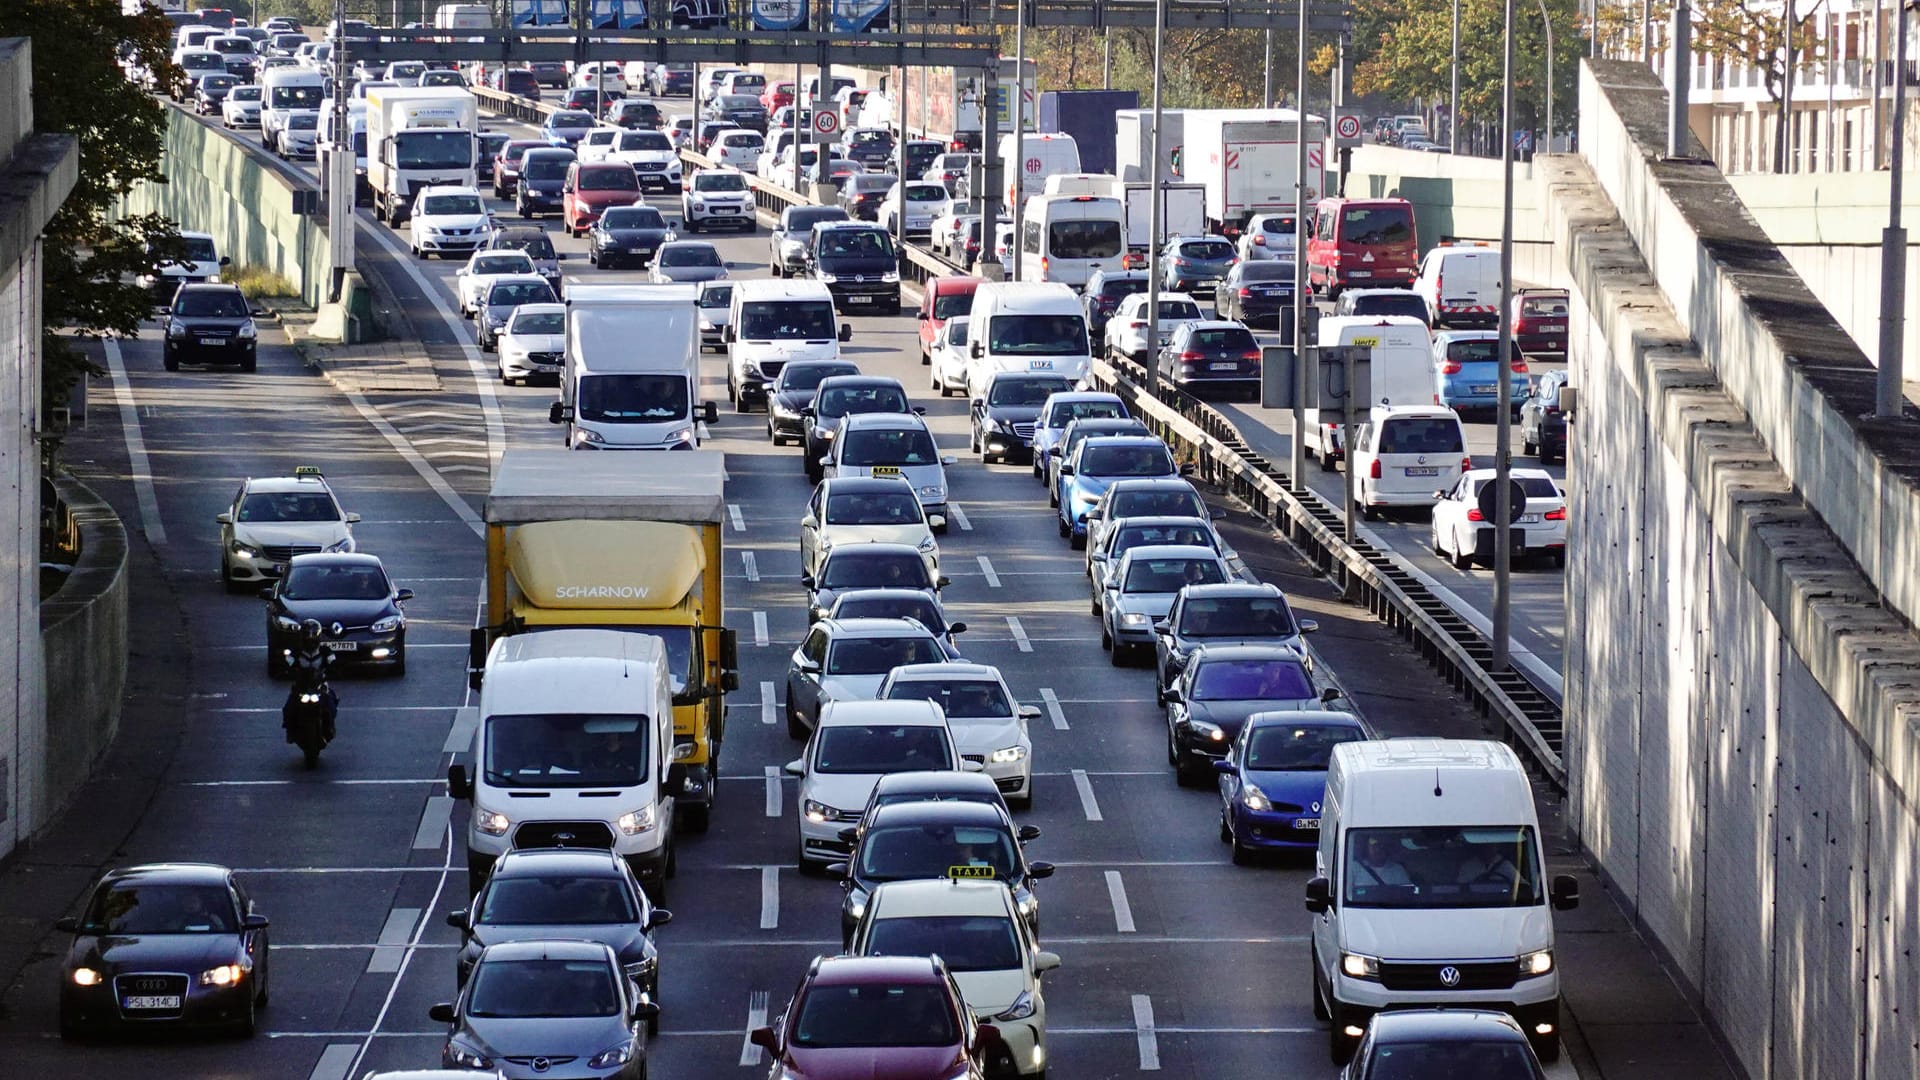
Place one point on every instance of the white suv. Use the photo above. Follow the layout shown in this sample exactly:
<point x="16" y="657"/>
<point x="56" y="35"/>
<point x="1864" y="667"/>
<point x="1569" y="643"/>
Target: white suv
<point x="988" y="725"/>
<point x="718" y="197"/>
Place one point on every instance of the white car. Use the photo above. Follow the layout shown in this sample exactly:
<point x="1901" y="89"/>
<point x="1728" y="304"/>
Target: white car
<point x="272" y="519"/>
<point x="241" y="109"/>
<point x="988" y="725"/>
<point x="864" y="510"/>
<point x="300" y="136"/>
<point x="596" y="144"/>
<point x="472" y="280"/>
<point x="950" y="226"/>
<point x="652" y="156"/>
<point x="449" y="220"/>
<point x="635" y="73"/>
<point x="949" y="359"/>
<point x="718" y="197"/>
<point x="1268" y="236"/>
<point x="738" y="148"/>
<point x="1126" y="333"/>
<point x="925" y="201"/>
<point x="894" y="444"/>
<point x="976" y="927"/>
<point x="606" y="75"/>
<point x="1463" y="534"/>
<point x="854" y="745"/>
<point x="533" y="343"/>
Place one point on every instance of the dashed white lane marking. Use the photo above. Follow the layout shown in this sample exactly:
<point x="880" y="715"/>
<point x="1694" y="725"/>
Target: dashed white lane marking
<point x="773" y="791"/>
<point x="1087" y="801"/>
<point x="433" y="823"/>
<point x="751" y="564"/>
<point x="1143" y="1031"/>
<point x="959" y="517"/>
<point x="756" y="1018"/>
<point x="1053" y="708"/>
<point x="986" y="571"/>
<point x="760" y="628"/>
<point x="137" y="461"/>
<point x="1019" y="634"/>
<point x="1122" y="911"/>
<point x="393" y="941"/>
<point x="733" y="514"/>
<point x="334" y="1062"/>
<point x="768" y="706"/>
<point x="770" y="898"/>
<point x="460" y="736"/>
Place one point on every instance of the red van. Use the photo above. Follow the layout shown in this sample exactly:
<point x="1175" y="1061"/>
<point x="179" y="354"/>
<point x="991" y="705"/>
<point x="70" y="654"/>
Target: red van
<point x="946" y="297"/>
<point x="1362" y="244"/>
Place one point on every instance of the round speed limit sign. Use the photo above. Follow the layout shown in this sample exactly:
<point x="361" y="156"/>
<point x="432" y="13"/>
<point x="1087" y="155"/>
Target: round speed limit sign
<point x="825" y="123"/>
<point x="1348" y="127"/>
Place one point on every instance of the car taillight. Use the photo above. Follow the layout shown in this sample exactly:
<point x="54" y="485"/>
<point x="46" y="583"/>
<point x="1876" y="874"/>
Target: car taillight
<point x="1466" y="463"/>
<point x="1246" y="293"/>
<point x="1522" y="324"/>
<point x="1375" y="471"/>
<point x="1557" y="515"/>
<point x="1259" y="241"/>
<point x="1450" y="368"/>
<point x="1474" y="514"/>
<point x="1044" y="265"/>
<point x="1519" y="367"/>
<point x="1553" y="409"/>
<point x="956" y="145"/>
<point x="1251" y="354"/>
<point x="1191" y="357"/>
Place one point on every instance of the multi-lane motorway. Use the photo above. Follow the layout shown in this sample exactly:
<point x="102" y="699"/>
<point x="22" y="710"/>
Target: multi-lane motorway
<point x="1175" y="960"/>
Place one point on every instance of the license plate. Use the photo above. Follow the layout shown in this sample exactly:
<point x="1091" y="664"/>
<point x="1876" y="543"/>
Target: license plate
<point x="344" y="646"/>
<point x="1306" y="823"/>
<point x="1423" y="470"/>
<point x="1486" y="389"/>
<point x="1529" y="519"/>
<point x="1552" y="328"/>
<point x="213" y="341"/>
<point x="886" y="470"/>
<point x="1039" y="365"/>
<point x="1227" y="366"/>
<point x="1359" y="273"/>
<point x="726" y="210"/>
<point x="151" y="1001"/>
<point x="859" y="299"/>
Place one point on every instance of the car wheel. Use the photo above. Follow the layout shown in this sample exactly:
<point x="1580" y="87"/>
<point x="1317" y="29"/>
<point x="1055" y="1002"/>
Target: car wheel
<point x="1076" y="541"/>
<point x="1313" y="989"/>
<point x="70" y="1031"/>
<point x="1560" y="559"/>
<point x="1433" y="541"/>
<point x="171" y="363"/>
<point x="1462" y="557"/>
<point x="250" y="364"/>
<point x="1339" y="1046"/>
<point x="1241" y="854"/>
<point x="796" y="728"/>
<point x="1118" y="657"/>
<point x="1106" y="638"/>
<point x="1226" y="832"/>
<point x="1060" y="523"/>
<point x="1094" y="605"/>
<point x="1527" y="446"/>
<point x="1173" y="749"/>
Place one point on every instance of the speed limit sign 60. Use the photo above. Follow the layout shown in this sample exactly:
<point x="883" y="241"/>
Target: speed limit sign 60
<point x="825" y="122"/>
<point x="1346" y="131"/>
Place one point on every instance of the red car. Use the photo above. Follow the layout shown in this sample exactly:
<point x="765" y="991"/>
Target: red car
<point x="777" y="96"/>
<point x="857" y="1018"/>
<point x="946" y="297"/>
<point x="592" y="187"/>
<point x="1540" y="320"/>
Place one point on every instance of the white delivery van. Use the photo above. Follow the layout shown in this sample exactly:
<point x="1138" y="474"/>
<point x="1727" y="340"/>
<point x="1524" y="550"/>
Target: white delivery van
<point x="1042" y="154"/>
<point x="772" y="323"/>
<point x="1401" y="373"/>
<point x="1430" y="888"/>
<point x="282" y="92"/>
<point x="1066" y="238"/>
<point x="1026" y="326"/>
<point x="573" y="748"/>
<point x="631" y="375"/>
<point x="1460" y="281"/>
<point x="1403" y="454"/>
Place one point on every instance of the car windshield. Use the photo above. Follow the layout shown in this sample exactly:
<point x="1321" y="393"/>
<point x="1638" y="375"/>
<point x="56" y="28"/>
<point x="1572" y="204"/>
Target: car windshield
<point x="1126" y="461"/>
<point x="1171" y="575"/>
<point x="279" y="506"/>
<point x="1024" y="390"/>
<point x="800" y="221"/>
<point x="786" y="320"/>
<point x="1065" y="412"/>
<point x="960" y="699"/>
<point x="880" y="1015"/>
<point x="1421" y="435"/>
<point x="633" y="217"/>
<point x="633" y="398"/>
<point x="856" y="569"/>
<point x="1085" y="239"/>
<point x="882" y="748"/>
<point x="340" y="581"/>
<point x="1206" y="249"/>
<point x="1129" y="537"/>
<point x="965" y="942"/>
<point x="154" y="908"/>
<point x="1119" y="288"/>
<point x="1037" y="335"/>
<point x="245" y="93"/>
<point x="951" y="304"/>
<point x="810" y="376"/>
<point x="566" y="750"/>
<point x="219" y="82"/>
<point x="874" y="508"/>
<point x="869" y="243"/>
<point x="1275" y="225"/>
<point x="1183" y="502"/>
<point x="719" y="181"/>
<point x="917" y="852"/>
<point x="517" y="263"/>
<point x="570" y="120"/>
<point x="538" y="322"/>
<point x="434" y="150"/>
<point x="689" y="255"/>
<point x="1173" y="310"/>
<point x="210" y="304"/>
<point x="1442" y="866"/>
<point x="1479" y="351"/>
<point x="514" y="151"/>
<point x="1450" y="1057"/>
<point x="617" y="178"/>
<point x="714" y="296"/>
<point x="879" y="655"/>
<point x="919" y="607"/>
<point x="889" y="446"/>
<point x="303" y="121"/>
<point x="538" y="167"/>
<point x="849" y="400"/>
<point x="296" y="97"/>
<point x="528" y="989"/>
<point x="551" y="900"/>
<point x="1369" y="226"/>
<point x="1252" y="680"/>
<point x="535" y="244"/>
<point x="645" y="140"/>
<point x="926" y="193"/>
<point x="1236" y="617"/>
<point x="1267" y="270"/>
<point x="515" y="293"/>
<point x="1295" y="747"/>
<point x="452" y="204"/>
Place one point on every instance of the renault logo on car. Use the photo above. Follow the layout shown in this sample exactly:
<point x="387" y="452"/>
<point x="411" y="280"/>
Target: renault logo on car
<point x="1449" y="976"/>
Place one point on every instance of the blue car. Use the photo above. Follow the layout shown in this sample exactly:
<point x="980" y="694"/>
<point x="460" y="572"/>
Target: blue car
<point x="1096" y="463"/>
<point x="567" y="127"/>
<point x="1274" y="779"/>
<point x="1466" y="371"/>
<point x="1063" y="409"/>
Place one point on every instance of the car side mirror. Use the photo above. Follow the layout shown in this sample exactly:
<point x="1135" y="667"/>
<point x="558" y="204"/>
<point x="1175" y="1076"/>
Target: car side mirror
<point x="68" y="925"/>
<point x="809" y="522"/>
<point x="806" y="581"/>
<point x="1186" y="468"/>
<point x="457" y="919"/>
<point x="957" y="628"/>
<point x="645" y="1008"/>
<point x="403" y="595"/>
<point x="1029" y="712"/>
<point x="807" y="410"/>
<point x="1028" y="833"/>
<point x="1169" y="695"/>
<point x="712" y="414"/>
<point x="1308" y="626"/>
<point x="458" y="785"/>
<point x="223" y="519"/>
<point x="840" y="869"/>
<point x="918" y="410"/>
<point x="1161" y="626"/>
<point x="1565" y="892"/>
<point x="660" y="917"/>
<point x="226" y="260"/>
<point x="558" y="413"/>
<point x="1065" y="469"/>
<point x="949" y="459"/>
<point x="796" y="767"/>
<point x="762" y="1037"/>
<point x="1225" y="767"/>
<point x="922" y="315"/>
<point x="255" y="922"/>
<point x="968" y="765"/>
<point x="943" y="582"/>
<point x="560" y="256"/>
<point x="729" y="334"/>
<point x="1319" y="895"/>
<point x="441" y="1013"/>
<point x="1039" y="870"/>
<point x="1044" y="961"/>
<point x="976" y="349"/>
<point x="1331" y="693"/>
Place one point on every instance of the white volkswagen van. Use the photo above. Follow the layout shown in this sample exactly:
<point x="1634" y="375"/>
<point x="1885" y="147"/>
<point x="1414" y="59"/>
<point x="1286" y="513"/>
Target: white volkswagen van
<point x="1065" y="238"/>
<point x="1028" y="326"/>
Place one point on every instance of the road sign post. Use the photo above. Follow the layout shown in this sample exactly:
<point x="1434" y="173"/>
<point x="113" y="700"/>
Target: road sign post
<point x="1346" y="131"/>
<point x="826" y="123"/>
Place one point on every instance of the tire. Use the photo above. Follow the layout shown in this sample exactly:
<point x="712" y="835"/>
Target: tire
<point x="1560" y="560"/>
<point x="1547" y="1049"/>
<point x="172" y="364"/>
<point x="1241" y="854"/>
<point x="1462" y="560"/>
<point x="1076" y="541"/>
<point x="1226" y="833"/>
<point x="1339" y="1047"/>
<point x="1529" y="448"/>
<point x="1327" y="464"/>
<point x="1433" y="542"/>
<point x="245" y="1027"/>
<point x="796" y="728"/>
<point x="1106" y="638"/>
<point x="1118" y="656"/>
<point x="250" y="365"/>
<point x="1061" y="524"/>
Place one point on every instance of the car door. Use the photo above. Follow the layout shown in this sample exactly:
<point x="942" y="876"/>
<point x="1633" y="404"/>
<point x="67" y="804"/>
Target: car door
<point x="1449" y="513"/>
<point x="810" y="525"/>
<point x="803" y="686"/>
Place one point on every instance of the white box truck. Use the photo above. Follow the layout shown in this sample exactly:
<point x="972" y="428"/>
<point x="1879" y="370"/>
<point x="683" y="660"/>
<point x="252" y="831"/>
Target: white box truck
<point x="631" y="376"/>
<point x="1133" y="144"/>
<point x="1400" y="372"/>
<point x="418" y="136"/>
<point x="1185" y="209"/>
<point x="1247" y="160"/>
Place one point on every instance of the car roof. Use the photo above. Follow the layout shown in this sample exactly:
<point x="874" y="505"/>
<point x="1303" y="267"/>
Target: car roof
<point x="1515" y="472"/>
<point x="890" y="421"/>
<point x="844" y="713"/>
<point x="936" y="780"/>
<point x="1147" y="521"/>
<point x="1172" y="551"/>
<point x="1233" y="589"/>
<point x="1445" y="1025"/>
<point x="170" y="873"/>
<point x="852" y="970"/>
<point x="547" y="949"/>
<point x="1212" y="324"/>
<point x="844" y="485"/>
<point x="838" y="381"/>
<point x="1308" y="717"/>
<point x="336" y="558"/>
<point x="952" y="669"/>
<point x="1072" y="396"/>
<point x="450" y="189"/>
<point x="937" y="897"/>
<point x="1119" y="440"/>
<point x="876" y="548"/>
<point x="516" y="279"/>
<point x="874" y="626"/>
<point x="1149" y="483"/>
<point x="939" y="812"/>
<point x="538" y="862"/>
<point x="1247" y="652"/>
<point x="209" y="287"/>
<point x="688" y="244"/>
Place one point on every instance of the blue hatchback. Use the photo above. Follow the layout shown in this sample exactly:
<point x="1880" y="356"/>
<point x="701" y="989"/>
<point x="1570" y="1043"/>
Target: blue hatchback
<point x="1096" y="463"/>
<point x="567" y="127"/>
<point x="1466" y="371"/>
<point x="1274" y="779"/>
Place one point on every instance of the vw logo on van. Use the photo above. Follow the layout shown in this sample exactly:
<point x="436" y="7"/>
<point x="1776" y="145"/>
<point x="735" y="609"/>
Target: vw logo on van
<point x="1423" y="459"/>
<point x="1449" y="976"/>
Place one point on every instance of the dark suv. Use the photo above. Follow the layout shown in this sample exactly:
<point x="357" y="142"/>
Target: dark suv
<point x="1543" y="423"/>
<point x="210" y="324"/>
<point x="543" y="175"/>
<point x="859" y="265"/>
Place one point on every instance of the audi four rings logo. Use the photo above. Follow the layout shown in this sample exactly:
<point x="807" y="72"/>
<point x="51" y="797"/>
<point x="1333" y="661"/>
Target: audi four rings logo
<point x="1449" y="976"/>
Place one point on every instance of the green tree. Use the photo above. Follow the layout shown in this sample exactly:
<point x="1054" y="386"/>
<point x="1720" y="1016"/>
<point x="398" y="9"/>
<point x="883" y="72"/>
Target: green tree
<point x="1405" y="51"/>
<point x="91" y="255"/>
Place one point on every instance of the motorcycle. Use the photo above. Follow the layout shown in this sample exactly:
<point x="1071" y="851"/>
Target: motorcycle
<point x="308" y="716"/>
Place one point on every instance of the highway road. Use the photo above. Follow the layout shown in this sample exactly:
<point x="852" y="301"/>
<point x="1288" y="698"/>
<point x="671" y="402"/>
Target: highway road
<point x="1175" y="960"/>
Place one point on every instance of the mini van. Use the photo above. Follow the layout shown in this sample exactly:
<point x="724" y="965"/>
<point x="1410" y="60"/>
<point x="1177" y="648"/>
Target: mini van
<point x="771" y="324"/>
<point x="1028" y="326"/>
<point x="1066" y="238"/>
<point x="1400" y="366"/>
<point x="1403" y="454"/>
<point x="1361" y="243"/>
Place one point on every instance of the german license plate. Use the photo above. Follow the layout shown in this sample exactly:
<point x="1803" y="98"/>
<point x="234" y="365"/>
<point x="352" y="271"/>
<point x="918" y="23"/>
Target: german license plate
<point x="151" y="1001"/>
<point x="726" y="209"/>
<point x="859" y="299"/>
<point x="886" y="470"/>
<point x="344" y="646"/>
<point x="1423" y="470"/>
<point x="1306" y="823"/>
<point x="1226" y="366"/>
<point x="1552" y="328"/>
<point x="1359" y="273"/>
<point x="1482" y="389"/>
<point x="1039" y="365"/>
<point x="216" y="341"/>
<point x="1529" y="519"/>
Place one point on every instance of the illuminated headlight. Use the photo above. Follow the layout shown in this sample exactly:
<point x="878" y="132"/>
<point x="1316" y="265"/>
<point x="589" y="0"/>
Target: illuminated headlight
<point x="857" y="906"/>
<point x="588" y="435"/>
<point x="928" y="545"/>
<point x="1535" y="964"/>
<point x="491" y="822"/>
<point x="1254" y="799"/>
<point x="247" y="331"/>
<point x="1027" y="905"/>
<point x="388" y="625"/>
<point x="1211" y="731"/>
<point x="891" y="277"/>
<point x="224" y="975"/>
<point x="612" y="1056"/>
<point x="684" y="750"/>
<point x="1006" y="755"/>
<point x="176" y="331"/>
<point x="1021" y="1008"/>
<point x="781" y="408"/>
<point x="86" y="976"/>
<point x="684" y="434"/>
<point x="934" y="491"/>
<point x="342" y="544"/>
<point x="466" y="1057"/>
<point x="286" y="625"/>
<point x="1133" y="618"/>
<point x="1358" y="966"/>
<point x="820" y="813"/>
<point x="637" y="821"/>
<point x="242" y="551"/>
<point x="827" y="433"/>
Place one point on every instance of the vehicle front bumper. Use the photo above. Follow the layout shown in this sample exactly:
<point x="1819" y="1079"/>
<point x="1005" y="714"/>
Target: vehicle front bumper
<point x="368" y="649"/>
<point x="788" y="425"/>
<point x="200" y="1006"/>
<point x="659" y="176"/>
<point x="628" y="253"/>
<point x="1529" y="1001"/>
<point x="820" y="840"/>
<point x="1140" y="633"/>
<point x="521" y="365"/>
<point x="193" y="349"/>
<point x="1194" y="748"/>
<point x="855" y="295"/>
<point x="998" y="440"/>
<point x="441" y="243"/>
<point x="527" y="202"/>
<point x="1274" y="830"/>
<point x="729" y="213"/>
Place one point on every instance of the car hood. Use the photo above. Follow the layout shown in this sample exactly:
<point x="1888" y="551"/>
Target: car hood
<point x="983" y="735"/>
<point x="1229" y="715"/>
<point x="842" y="791"/>
<point x="794" y="400"/>
<point x="1154" y="605"/>
<point x="548" y="1036"/>
<point x="874" y="1063"/>
<point x="989" y="992"/>
<point x="1306" y="788"/>
<point x="453" y="221"/>
<point x="685" y="274"/>
<point x="851" y="687"/>
<point x="643" y="156"/>
<point x="638" y="236"/>
<point x="1445" y="933"/>
<point x="538" y="342"/>
<point x="211" y="323"/>
<point x="325" y="534"/>
<point x="629" y="943"/>
<point x="1084" y="484"/>
<point x="838" y="535"/>
<point x="189" y="953"/>
<point x="1188" y="644"/>
<point x="346" y="612"/>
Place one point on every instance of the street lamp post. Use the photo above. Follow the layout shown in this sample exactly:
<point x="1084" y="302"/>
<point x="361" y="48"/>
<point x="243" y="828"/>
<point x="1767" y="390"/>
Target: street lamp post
<point x="1019" y="156"/>
<point x="1503" y="438"/>
<point x="1157" y="217"/>
<point x="1298" y="464"/>
<point x="1889" y="397"/>
<point x="1453" y="98"/>
<point x="1546" y="24"/>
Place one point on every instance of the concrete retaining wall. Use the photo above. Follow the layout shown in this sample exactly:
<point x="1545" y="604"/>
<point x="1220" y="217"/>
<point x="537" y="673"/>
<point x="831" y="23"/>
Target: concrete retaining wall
<point x="1742" y="677"/>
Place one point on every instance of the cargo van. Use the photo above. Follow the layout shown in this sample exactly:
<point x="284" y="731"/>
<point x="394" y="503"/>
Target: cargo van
<point x="1066" y="238"/>
<point x="1027" y="326"/>
<point x="573" y="748"/>
<point x="631" y="374"/>
<point x="1042" y="154"/>
<point x="1079" y="183"/>
<point x="1460" y="283"/>
<point x="1400" y="373"/>
<point x="1405" y="453"/>
<point x="770" y="324"/>
<point x="1430" y="888"/>
<point x="1361" y="243"/>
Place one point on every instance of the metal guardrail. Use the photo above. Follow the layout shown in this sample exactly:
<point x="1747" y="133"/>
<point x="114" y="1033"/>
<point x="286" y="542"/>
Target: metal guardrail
<point x="520" y="108"/>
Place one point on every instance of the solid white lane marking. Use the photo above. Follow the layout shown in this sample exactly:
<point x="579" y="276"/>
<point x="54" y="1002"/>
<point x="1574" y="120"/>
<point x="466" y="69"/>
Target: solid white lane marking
<point x="1053" y="708"/>
<point x="393" y="941"/>
<point x="1019" y="634"/>
<point x="1085" y="788"/>
<point x="959" y="517"/>
<point x="1144" y="1032"/>
<point x="986" y="570"/>
<point x="137" y="462"/>
<point x="1122" y="911"/>
<point x="334" y="1062"/>
<point x="770" y="898"/>
<point x="756" y="1018"/>
<point x="768" y="706"/>
<point x="751" y="564"/>
<point x="760" y="628"/>
<point x="773" y="791"/>
<point x="733" y="513"/>
<point x="460" y="737"/>
<point x="433" y="823"/>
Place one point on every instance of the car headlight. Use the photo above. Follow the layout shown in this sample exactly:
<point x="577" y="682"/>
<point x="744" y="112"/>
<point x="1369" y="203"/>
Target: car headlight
<point x="1211" y="731"/>
<point x="1535" y="964"/>
<point x="1133" y="618"/>
<point x="820" y="813"/>
<point x="707" y="324"/>
<point x="1254" y="799"/>
<point x="641" y="970"/>
<point x="247" y="331"/>
<point x="818" y="612"/>
<point x="588" y="435"/>
<point x="224" y="975"/>
<point x="934" y="491"/>
<point x="1006" y="755"/>
<point x="856" y="905"/>
<point x="827" y="433"/>
<point x="1359" y="966"/>
<point x="697" y="205"/>
<point x="1021" y="1008"/>
<point x="891" y="277"/>
<point x="829" y="278"/>
<point x="612" y="1056"/>
<point x="684" y="434"/>
<point x="86" y="976"/>
<point x="928" y="544"/>
<point x="286" y="625"/>
<point x="345" y="543"/>
<point x="175" y="331"/>
<point x="637" y="821"/>
<point x="466" y="1057"/>
<point x="387" y="625"/>
<point x="491" y="822"/>
<point x="242" y="551"/>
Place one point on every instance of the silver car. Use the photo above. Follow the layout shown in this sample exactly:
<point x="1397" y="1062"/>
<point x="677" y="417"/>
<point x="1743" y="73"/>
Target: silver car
<point x="687" y="262"/>
<point x="540" y="1002"/>
<point x="1140" y="591"/>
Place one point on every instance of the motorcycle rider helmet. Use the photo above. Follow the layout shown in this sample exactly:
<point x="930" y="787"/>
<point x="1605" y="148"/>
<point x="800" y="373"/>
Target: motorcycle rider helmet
<point x="310" y="632"/>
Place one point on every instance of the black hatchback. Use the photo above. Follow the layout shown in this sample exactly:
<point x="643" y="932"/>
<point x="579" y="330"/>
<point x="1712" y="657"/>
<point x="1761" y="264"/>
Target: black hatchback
<point x="1256" y="292"/>
<point x="354" y="602"/>
<point x="927" y="840"/>
<point x="210" y="324"/>
<point x="627" y="234"/>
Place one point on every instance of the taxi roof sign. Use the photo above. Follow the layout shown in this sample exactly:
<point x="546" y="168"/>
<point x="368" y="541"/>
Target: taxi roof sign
<point x="306" y="470"/>
<point x="958" y="873"/>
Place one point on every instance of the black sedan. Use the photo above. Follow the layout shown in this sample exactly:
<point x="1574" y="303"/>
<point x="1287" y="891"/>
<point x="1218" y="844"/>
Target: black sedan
<point x="544" y="893"/>
<point x="210" y="324"/>
<point x="164" y="945"/>
<point x="925" y="840"/>
<point x="1220" y="688"/>
<point x="531" y="1004"/>
<point x="1234" y="613"/>
<point x="627" y="234"/>
<point x="1004" y="414"/>
<point x="791" y="395"/>
<point x="1256" y="293"/>
<point x="354" y="602"/>
<point x="211" y="91"/>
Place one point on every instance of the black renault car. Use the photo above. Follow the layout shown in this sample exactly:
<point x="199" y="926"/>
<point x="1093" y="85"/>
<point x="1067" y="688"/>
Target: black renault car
<point x="210" y="324"/>
<point x="626" y="234"/>
<point x="1002" y="417"/>
<point x="354" y="602"/>
<point x="543" y="172"/>
<point x="859" y="265"/>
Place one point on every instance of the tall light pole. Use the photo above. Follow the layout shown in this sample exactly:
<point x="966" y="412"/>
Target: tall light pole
<point x="1889" y="398"/>
<point x="1266" y="92"/>
<point x="1157" y="217"/>
<point x="1019" y="162"/>
<point x="341" y="188"/>
<point x="1546" y="24"/>
<point x="1503" y="433"/>
<point x="1298" y="465"/>
<point x="1453" y="98"/>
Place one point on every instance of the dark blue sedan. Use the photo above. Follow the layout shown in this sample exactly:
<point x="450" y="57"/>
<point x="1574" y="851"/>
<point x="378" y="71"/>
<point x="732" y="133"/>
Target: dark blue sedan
<point x="1274" y="779"/>
<point x="567" y="127"/>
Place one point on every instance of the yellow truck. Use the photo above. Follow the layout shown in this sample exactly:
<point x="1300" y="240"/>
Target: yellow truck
<point x="616" y="541"/>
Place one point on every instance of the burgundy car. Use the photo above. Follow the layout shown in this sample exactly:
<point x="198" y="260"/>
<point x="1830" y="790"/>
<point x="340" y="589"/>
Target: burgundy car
<point x="897" y="1017"/>
<point x="506" y="166"/>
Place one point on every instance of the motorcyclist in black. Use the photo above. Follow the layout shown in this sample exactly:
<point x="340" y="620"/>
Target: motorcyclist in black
<point x="309" y="663"/>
